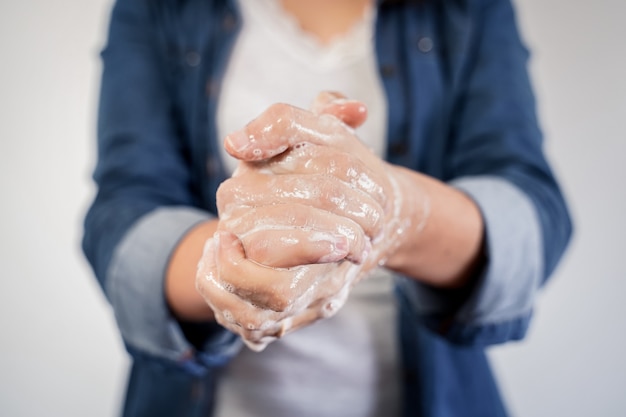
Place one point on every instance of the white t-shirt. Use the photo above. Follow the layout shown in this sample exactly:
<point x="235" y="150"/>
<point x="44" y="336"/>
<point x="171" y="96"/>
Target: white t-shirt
<point x="347" y="365"/>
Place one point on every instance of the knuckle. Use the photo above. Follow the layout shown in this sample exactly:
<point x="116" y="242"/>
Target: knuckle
<point x="278" y="114"/>
<point x="333" y="123"/>
<point x="280" y="301"/>
<point x="243" y="316"/>
<point x="331" y="191"/>
<point x="273" y="298"/>
<point x="342" y="159"/>
<point x="225" y="192"/>
<point x="298" y="215"/>
<point x="278" y="109"/>
<point x="251" y="322"/>
<point x="376" y="219"/>
<point x="258" y="249"/>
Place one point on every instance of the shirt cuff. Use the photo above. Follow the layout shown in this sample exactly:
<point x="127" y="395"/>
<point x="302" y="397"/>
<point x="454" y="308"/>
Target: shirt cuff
<point x="508" y="284"/>
<point x="135" y="288"/>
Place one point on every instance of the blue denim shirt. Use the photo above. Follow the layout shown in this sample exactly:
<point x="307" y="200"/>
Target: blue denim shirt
<point x="461" y="109"/>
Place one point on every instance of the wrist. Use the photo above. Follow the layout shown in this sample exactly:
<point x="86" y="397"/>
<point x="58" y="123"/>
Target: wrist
<point x="409" y="216"/>
<point x="442" y="243"/>
<point x="180" y="281"/>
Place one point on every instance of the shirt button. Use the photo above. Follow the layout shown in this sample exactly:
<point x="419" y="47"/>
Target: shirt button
<point x="211" y="88"/>
<point x="409" y="376"/>
<point x="425" y="44"/>
<point x="212" y="166"/>
<point x="193" y="59"/>
<point x="387" y="70"/>
<point x="228" y="23"/>
<point x="399" y="148"/>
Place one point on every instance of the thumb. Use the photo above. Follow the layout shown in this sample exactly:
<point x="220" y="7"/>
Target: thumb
<point x="351" y="112"/>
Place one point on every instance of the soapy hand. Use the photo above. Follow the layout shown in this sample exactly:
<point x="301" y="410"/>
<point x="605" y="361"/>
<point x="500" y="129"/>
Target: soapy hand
<point x="262" y="303"/>
<point x="314" y="158"/>
<point x="307" y="213"/>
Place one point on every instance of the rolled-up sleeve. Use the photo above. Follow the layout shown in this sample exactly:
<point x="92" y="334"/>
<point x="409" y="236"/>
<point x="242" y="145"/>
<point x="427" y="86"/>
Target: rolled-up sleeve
<point x="506" y="288"/>
<point x="513" y="249"/>
<point x="135" y="288"/>
<point x="147" y="196"/>
<point x="494" y="154"/>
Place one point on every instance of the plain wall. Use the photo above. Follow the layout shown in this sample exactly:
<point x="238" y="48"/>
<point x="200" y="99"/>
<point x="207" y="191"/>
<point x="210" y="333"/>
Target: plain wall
<point x="60" y="354"/>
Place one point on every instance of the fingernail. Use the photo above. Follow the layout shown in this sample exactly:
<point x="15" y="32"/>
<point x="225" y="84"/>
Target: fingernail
<point x="237" y="141"/>
<point x="340" y="250"/>
<point x="359" y="258"/>
<point x="340" y="100"/>
<point x="336" y="94"/>
<point x="341" y="244"/>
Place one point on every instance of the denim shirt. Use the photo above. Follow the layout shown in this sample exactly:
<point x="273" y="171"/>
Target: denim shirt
<point x="461" y="109"/>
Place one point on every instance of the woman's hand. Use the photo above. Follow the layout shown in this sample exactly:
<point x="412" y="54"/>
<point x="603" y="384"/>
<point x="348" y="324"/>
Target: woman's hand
<point x="297" y="221"/>
<point x="417" y="225"/>
<point x="317" y="160"/>
<point x="262" y="303"/>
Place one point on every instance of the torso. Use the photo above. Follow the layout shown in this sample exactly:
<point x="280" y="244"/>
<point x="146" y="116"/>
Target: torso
<point x="346" y="365"/>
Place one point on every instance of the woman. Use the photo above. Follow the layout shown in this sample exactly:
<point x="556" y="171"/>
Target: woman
<point x="464" y="216"/>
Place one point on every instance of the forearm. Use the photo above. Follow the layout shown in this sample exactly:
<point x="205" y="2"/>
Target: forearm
<point x="443" y="241"/>
<point x="180" y="288"/>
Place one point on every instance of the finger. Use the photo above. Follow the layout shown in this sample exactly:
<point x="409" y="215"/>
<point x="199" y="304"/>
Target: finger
<point x="320" y="191"/>
<point x="351" y="112"/>
<point x="324" y="160"/>
<point x="330" y="296"/>
<point x="256" y="326"/>
<point x="305" y="318"/>
<point x="287" y="248"/>
<point x="324" y="98"/>
<point x="278" y="290"/>
<point x="231" y="311"/>
<point x="289" y="235"/>
<point x="283" y="126"/>
<point x="259" y="327"/>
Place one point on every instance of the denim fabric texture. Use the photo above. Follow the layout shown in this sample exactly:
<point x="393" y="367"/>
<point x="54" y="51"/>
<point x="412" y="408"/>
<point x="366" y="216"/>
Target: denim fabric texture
<point x="461" y="109"/>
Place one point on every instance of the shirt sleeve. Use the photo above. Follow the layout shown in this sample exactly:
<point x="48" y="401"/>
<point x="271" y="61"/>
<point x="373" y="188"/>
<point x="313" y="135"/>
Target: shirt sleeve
<point x="505" y="289"/>
<point x="495" y="155"/>
<point x="147" y="193"/>
<point x="135" y="289"/>
<point x="513" y="249"/>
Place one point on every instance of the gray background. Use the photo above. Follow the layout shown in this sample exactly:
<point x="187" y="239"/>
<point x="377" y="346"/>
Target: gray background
<point x="60" y="354"/>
